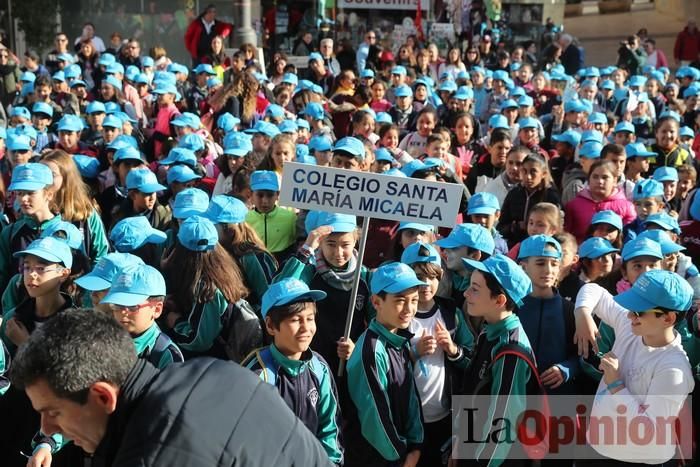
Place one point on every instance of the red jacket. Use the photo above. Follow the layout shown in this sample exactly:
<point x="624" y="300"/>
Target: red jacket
<point x="580" y="211"/>
<point x="194" y="32"/>
<point x="687" y="45"/>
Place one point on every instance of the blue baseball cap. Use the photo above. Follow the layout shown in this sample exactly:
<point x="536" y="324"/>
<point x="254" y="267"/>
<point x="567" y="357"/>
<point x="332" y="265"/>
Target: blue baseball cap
<point x="403" y="91"/>
<point x="398" y="70"/>
<point x="95" y="107"/>
<point x="383" y="155"/>
<point x="288" y="126"/>
<point x="595" y="247"/>
<point x="607" y="217"/>
<point x="290" y="78"/>
<point x="286" y="291"/>
<point x="112" y="81"/>
<point x="132" y="71"/>
<point x="394" y="278"/>
<point x="31" y="177"/>
<point x="608" y="85"/>
<point x="341" y="223"/>
<point x="187" y="119"/>
<point x="65" y="231"/>
<point x="265" y="128"/>
<point x="42" y="108"/>
<point x="687" y="132"/>
<point x="315" y="111"/>
<point x="315" y="56"/>
<point x="624" y="126"/>
<point x="516" y="284"/>
<point x="204" y="68"/>
<point x="112" y="122"/>
<point x="320" y="143"/>
<point x="115" y="67"/>
<point x="657" y="288"/>
<point x="540" y="246"/>
<point x="463" y="93"/>
<point x="147" y="62"/>
<point x="143" y="180"/>
<point x="198" y="234"/>
<point x="647" y="188"/>
<point x="638" y="150"/>
<point x="415" y="226"/>
<point x="508" y="104"/>
<point x="274" y="111"/>
<point x="181" y="174"/>
<point x="498" y="121"/>
<point x="661" y="237"/>
<point x="19" y="143"/>
<point x="142" y="78"/>
<point x="192" y="141"/>
<point x="134" y="284"/>
<point x="51" y="249"/>
<point x="106" y="59"/>
<point x="665" y="174"/>
<point x="570" y="137"/>
<point x="597" y="117"/>
<point x="237" y="144"/>
<point x="483" y="203"/>
<point x="303" y="124"/>
<point x="111" y="108"/>
<point x="350" y="146"/>
<point x="636" y="81"/>
<point x="227" y="122"/>
<point x="526" y="101"/>
<point x="641" y="246"/>
<point x="670" y="113"/>
<point x="367" y="73"/>
<point x="70" y="123"/>
<point x="590" y="150"/>
<point x="414" y="166"/>
<point x="27" y="77"/>
<point x="575" y="105"/>
<point x="106" y="269"/>
<point x="72" y="71"/>
<point x="89" y="167"/>
<point x="180" y="155"/>
<point x="224" y="209"/>
<point x="264" y="180"/>
<point x="131" y="233"/>
<point x="128" y="153"/>
<point x="663" y="220"/>
<point x="190" y="202"/>
<point x="411" y="255"/>
<point x="448" y="86"/>
<point x="122" y="141"/>
<point x="21" y="112"/>
<point x="469" y="235"/>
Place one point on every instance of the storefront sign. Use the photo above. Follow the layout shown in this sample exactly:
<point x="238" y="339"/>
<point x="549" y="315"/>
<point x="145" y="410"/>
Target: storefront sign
<point x="384" y="4"/>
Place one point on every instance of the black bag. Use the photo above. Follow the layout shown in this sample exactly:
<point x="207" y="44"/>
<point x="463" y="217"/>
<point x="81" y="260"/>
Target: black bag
<point x="242" y="331"/>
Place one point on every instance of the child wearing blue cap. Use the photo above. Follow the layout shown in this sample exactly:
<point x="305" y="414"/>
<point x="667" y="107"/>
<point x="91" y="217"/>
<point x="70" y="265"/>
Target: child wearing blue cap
<point x="668" y="176"/>
<point x="302" y="376"/>
<point x="95" y="114"/>
<point x="197" y="94"/>
<point x="439" y="357"/>
<point x="484" y="209"/>
<point x="143" y="188"/>
<point x="41" y="120"/>
<point x="275" y="225"/>
<point x="648" y="199"/>
<point x="548" y="319"/>
<point x="402" y="113"/>
<point x="647" y="361"/>
<point x="608" y="225"/>
<point x="380" y="380"/>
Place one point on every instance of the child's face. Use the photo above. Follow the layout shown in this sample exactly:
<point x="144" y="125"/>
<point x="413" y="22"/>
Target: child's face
<point x="68" y="139"/>
<point x="109" y="133"/>
<point x="136" y="320"/>
<point x="437" y="149"/>
<point x="569" y="257"/>
<point x="234" y="163"/>
<point x="511" y="114"/>
<point x="513" y="164"/>
<point x="265" y="200"/>
<point x="538" y="224"/>
<point x="670" y="262"/>
<point x="667" y="134"/>
<point x="623" y="137"/>
<point x="390" y="139"/>
<point x="337" y="248"/>
<point x="20" y="157"/>
<point x="543" y="271"/>
<point x="685" y="184"/>
<point x="486" y="220"/>
<point x="531" y="176"/>
<point x="404" y="102"/>
<point x="340" y="161"/>
<point x="365" y="127"/>
<point x="378" y="91"/>
<point x="421" y="93"/>
<point x="647" y="206"/>
<point x="453" y="258"/>
<point x="282" y="153"/>
<point x="40" y="277"/>
<point x="411" y="236"/>
<point x="606" y="231"/>
<point x="619" y="161"/>
<point x="601" y="266"/>
<point x="478" y="296"/>
<point x="464" y="129"/>
<point x="426" y="293"/>
<point x="638" y="266"/>
<point x="294" y="335"/>
<point x="142" y="201"/>
<point x="425" y="125"/>
<point x="379" y="167"/>
<point x="395" y="311"/>
<point x="323" y="158"/>
<point x="302" y="136"/>
<point x="670" y="188"/>
<point x="260" y="142"/>
<point x="40" y="122"/>
<point x="638" y="164"/>
<point x="32" y="202"/>
<point x="499" y="152"/>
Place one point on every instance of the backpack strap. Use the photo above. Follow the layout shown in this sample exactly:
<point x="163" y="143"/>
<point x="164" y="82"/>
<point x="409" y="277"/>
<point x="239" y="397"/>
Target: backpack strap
<point x="522" y="353"/>
<point x="268" y="365"/>
<point x="165" y="344"/>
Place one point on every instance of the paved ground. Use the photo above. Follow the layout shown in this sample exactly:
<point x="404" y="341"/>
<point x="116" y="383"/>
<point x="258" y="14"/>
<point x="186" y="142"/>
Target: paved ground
<point x="601" y="34"/>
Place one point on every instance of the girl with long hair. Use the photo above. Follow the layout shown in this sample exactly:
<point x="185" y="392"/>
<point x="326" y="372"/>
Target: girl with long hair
<point x="217" y="57"/>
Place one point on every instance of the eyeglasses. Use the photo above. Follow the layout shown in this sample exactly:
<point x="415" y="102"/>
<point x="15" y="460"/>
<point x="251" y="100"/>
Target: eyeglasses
<point x="657" y="313"/>
<point x="40" y="270"/>
<point x="128" y="309"/>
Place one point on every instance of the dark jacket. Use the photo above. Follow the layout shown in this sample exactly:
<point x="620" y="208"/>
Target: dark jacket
<point x="516" y="207"/>
<point x="167" y="418"/>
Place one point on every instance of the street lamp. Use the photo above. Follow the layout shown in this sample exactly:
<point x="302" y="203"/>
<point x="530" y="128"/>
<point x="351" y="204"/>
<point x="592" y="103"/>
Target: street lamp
<point x="243" y="32"/>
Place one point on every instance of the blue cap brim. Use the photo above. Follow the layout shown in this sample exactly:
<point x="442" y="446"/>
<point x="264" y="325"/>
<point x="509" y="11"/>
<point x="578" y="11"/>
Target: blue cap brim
<point x="631" y="300"/>
<point x="124" y="298"/>
<point x="401" y="285"/>
<point x="448" y="243"/>
<point x="343" y="227"/>
<point x="156" y="236"/>
<point x="93" y="283"/>
<point x="184" y="213"/>
<point x="482" y="210"/>
<point x="235" y="152"/>
<point x="184" y="178"/>
<point x="264" y="186"/>
<point x="42" y="253"/>
<point x="150" y="188"/>
<point x="26" y="186"/>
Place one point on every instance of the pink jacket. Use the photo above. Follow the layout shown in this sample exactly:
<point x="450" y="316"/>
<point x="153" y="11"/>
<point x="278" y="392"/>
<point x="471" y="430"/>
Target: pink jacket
<point x="580" y="211"/>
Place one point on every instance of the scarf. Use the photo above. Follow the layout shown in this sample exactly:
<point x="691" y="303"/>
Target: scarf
<point x="341" y="280"/>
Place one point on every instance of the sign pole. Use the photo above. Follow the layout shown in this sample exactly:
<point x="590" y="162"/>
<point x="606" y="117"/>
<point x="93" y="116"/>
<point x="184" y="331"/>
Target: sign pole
<point x="355" y="286"/>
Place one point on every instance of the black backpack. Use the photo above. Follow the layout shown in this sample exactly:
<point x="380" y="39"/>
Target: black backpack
<point x="242" y="331"/>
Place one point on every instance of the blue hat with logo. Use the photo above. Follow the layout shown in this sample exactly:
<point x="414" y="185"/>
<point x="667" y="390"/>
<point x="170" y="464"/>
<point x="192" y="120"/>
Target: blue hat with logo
<point x="65" y="231"/>
<point x="274" y="111"/>
<point x="180" y="156"/>
<point x="595" y="247"/>
<point x="95" y="107"/>
<point x="663" y="220"/>
<point x="315" y="111"/>
<point x="540" y="246"/>
<point x="607" y="217"/>
<point x="597" y="117"/>
<point x="516" y="93"/>
<point x="115" y="67"/>
<point x="350" y="146"/>
<point x="647" y="188"/>
<point x="415" y="226"/>
<point x="112" y="122"/>
<point x="498" y="121"/>
<point x="398" y="70"/>
<point x="526" y="101"/>
<point x="72" y="71"/>
<point x="320" y="143"/>
<point x="20" y="111"/>
<point x="636" y="81"/>
<point x="590" y="150"/>
<point x="132" y="71"/>
<point x="106" y="269"/>
<point x="394" y="278"/>
<point x="237" y="144"/>
<point x="227" y="122"/>
<point x="265" y="128"/>
<point x="470" y="235"/>
<point x="19" y="143"/>
<point x="286" y="291"/>
<point x="111" y="108"/>
<point x="192" y="141"/>
<point x="341" y="223"/>
<point x="190" y="202"/>
<point x="665" y="174"/>
<point x="641" y="246"/>
<point x="516" y="284"/>
<point x="204" y="68"/>
<point x="70" y="123"/>
<point x="638" y="150"/>
<point x="657" y="288"/>
<point x="224" y="209"/>
<point x="508" y="104"/>
<point x="290" y="78"/>
<point x="42" y="108"/>
<point x="383" y="155"/>
<point x="132" y="233"/>
<point x="30" y="177"/>
<point x="624" y="126"/>
<point x="264" y="180"/>
<point x="661" y="237"/>
<point x="128" y="153"/>
<point x="412" y="254"/>
<point x="198" y="234"/>
<point x="181" y="174"/>
<point x="570" y="137"/>
<point x="89" y="167"/>
<point x="26" y="130"/>
<point x="143" y="180"/>
<point x="483" y="203"/>
<point x="51" y="249"/>
<point x="288" y="126"/>
<point x="463" y="93"/>
<point x="403" y="91"/>
<point x="134" y="284"/>
<point x="187" y="119"/>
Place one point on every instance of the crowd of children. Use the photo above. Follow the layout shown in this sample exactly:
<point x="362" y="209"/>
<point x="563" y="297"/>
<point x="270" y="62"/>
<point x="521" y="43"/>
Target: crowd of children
<point x="163" y="211"/>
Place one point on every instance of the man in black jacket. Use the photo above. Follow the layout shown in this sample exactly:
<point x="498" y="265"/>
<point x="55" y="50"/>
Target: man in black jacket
<point x="82" y="375"/>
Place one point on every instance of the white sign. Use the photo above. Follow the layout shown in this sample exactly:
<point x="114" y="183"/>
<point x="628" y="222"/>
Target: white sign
<point x="384" y="4"/>
<point x="306" y="186"/>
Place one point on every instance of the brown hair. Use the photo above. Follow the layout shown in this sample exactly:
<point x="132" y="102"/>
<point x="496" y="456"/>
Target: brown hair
<point x="268" y="163"/>
<point x="72" y="199"/>
<point x="551" y="212"/>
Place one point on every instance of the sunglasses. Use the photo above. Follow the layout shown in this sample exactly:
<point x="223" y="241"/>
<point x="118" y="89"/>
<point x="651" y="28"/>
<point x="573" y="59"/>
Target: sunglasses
<point x="638" y="314"/>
